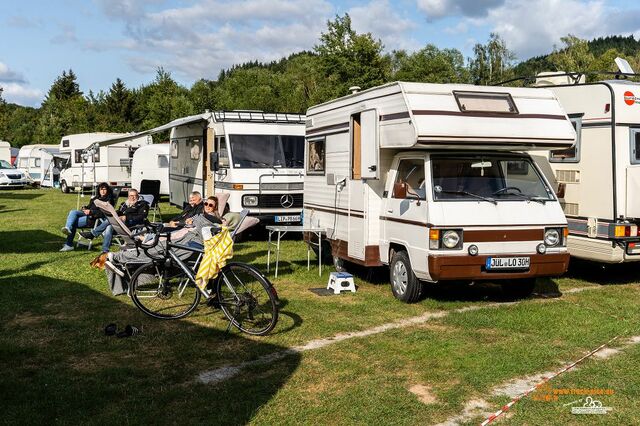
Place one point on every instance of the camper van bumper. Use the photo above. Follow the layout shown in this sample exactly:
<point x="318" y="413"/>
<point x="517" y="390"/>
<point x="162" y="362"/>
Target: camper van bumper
<point x="473" y="267"/>
<point x="284" y="219"/>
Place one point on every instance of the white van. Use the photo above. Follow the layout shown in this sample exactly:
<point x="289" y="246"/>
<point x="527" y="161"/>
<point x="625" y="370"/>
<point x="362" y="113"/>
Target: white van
<point x="600" y="174"/>
<point x="431" y="179"/>
<point x="38" y="162"/>
<point x="151" y="162"/>
<point x="92" y="162"/>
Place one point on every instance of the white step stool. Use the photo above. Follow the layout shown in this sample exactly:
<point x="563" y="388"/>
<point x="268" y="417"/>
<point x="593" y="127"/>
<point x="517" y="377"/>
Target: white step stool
<point x="341" y="281"/>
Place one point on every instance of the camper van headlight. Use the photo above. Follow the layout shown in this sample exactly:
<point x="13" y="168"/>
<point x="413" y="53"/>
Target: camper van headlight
<point x="551" y="237"/>
<point x="250" y="200"/>
<point x="450" y="239"/>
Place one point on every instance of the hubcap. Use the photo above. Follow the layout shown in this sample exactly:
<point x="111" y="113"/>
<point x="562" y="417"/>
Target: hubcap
<point x="400" y="278"/>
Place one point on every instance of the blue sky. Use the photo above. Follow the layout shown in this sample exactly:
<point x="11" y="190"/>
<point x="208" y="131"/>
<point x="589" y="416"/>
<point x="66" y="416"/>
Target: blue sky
<point x="102" y="40"/>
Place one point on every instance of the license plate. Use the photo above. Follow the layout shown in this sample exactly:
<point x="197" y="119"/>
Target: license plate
<point x="508" y="263"/>
<point x="293" y="218"/>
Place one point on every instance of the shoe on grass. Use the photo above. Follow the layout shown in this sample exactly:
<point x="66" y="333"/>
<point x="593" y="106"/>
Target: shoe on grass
<point x="87" y="234"/>
<point x="66" y="248"/>
<point x="65" y="230"/>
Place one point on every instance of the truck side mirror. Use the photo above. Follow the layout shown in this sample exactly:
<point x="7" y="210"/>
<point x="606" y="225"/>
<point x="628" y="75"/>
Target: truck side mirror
<point x="214" y="164"/>
<point x="562" y="187"/>
<point x="400" y="190"/>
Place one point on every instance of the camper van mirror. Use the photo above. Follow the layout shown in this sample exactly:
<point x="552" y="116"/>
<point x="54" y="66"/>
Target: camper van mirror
<point x="481" y="165"/>
<point x="214" y="161"/>
<point x="400" y="190"/>
<point x="562" y="187"/>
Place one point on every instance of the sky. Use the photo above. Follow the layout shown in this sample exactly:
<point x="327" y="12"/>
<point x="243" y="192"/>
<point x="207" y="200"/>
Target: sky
<point x="102" y="40"/>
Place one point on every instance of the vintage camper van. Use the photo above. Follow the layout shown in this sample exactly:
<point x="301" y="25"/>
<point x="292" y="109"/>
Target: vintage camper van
<point x="432" y="180"/>
<point x="600" y="174"/>
<point x="39" y="163"/>
<point x="151" y="162"/>
<point x="91" y="162"/>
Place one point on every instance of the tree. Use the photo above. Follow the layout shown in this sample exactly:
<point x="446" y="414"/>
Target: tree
<point x="4" y="134"/>
<point x="202" y="95"/>
<point x="492" y="62"/>
<point x="120" y="108"/>
<point x="349" y="59"/>
<point x="431" y="65"/>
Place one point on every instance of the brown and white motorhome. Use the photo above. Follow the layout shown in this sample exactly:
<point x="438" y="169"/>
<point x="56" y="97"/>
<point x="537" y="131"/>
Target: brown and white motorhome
<point x="431" y="180"/>
<point x="600" y="174"/>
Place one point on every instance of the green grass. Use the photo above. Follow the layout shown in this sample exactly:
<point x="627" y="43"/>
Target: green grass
<point x="56" y="366"/>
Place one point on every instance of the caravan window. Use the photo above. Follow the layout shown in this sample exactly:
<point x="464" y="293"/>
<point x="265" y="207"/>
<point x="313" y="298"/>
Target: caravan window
<point x="96" y="156"/>
<point x="78" y="156"/>
<point x="635" y="146"/>
<point x="485" y="102"/>
<point x="163" y="161"/>
<point x="174" y="149"/>
<point x="315" y="157"/>
<point x="23" y="163"/>
<point x="35" y="162"/>
<point x="571" y="155"/>
<point x="194" y="149"/>
<point x="223" y="154"/>
<point x="410" y="175"/>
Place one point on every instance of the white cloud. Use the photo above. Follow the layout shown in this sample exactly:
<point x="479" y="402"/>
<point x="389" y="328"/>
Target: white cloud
<point x="21" y="94"/>
<point x="380" y="19"/>
<point x="8" y="75"/>
<point x="67" y="34"/>
<point x="436" y="9"/>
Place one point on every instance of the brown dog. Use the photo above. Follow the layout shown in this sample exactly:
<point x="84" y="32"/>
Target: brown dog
<point x="98" y="261"/>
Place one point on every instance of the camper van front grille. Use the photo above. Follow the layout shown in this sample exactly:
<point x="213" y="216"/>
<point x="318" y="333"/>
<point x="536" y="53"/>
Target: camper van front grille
<point x="274" y="201"/>
<point x="568" y="176"/>
<point x="292" y="186"/>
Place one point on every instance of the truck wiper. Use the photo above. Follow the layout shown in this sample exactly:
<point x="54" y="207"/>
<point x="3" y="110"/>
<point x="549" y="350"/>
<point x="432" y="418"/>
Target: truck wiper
<point x="527" y="197"/>
<point x="471" y="194"/>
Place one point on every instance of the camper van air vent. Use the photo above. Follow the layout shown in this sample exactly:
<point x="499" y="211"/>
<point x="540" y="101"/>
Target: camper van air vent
<point x="568" y="176"/>
<point x="570" y="209"/>
<point x="354" y="89"/>
<point x="125" y="162"/>
<point x="501" y="103"/>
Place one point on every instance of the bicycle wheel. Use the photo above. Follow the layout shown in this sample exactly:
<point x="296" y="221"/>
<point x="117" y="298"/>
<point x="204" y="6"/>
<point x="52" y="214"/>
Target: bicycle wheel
<point x="247" y="299"/>
<point x="164" y="293"/>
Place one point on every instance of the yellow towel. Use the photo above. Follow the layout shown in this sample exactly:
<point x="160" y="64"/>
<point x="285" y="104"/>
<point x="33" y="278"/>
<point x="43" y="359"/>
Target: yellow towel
<point x="217" y="250"/>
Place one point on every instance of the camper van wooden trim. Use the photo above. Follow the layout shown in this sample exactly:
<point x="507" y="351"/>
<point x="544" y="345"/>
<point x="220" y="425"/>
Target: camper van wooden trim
<point x="340" y="248"/>
<point x="488" y="114"/>
<point x="472" y="267"/>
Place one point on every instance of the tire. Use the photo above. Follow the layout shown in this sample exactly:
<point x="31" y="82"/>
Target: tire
<point x="64" y="187"/>
<point x="519" y="289"/>
<point x="405" y="286"/>
<point x="252" y="305"/>
<point x="163" y="293"/>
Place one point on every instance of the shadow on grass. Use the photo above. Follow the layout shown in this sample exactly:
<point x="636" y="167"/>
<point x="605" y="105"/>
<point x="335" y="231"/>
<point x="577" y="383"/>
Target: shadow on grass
<point x="9" y="211"/>
<point x="603" y="273"/>
<point x="56" y="362"/>
<point x="21" y="196"/>
<point x="26" y="268"/>
<point x="29" y="241"/>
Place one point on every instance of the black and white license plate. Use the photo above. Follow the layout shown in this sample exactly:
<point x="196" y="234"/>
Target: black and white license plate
<point x="292" y="218"/>
<point x="494" y="263"/>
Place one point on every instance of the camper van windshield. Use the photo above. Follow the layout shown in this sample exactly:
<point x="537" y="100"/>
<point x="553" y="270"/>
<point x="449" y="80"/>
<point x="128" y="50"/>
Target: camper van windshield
<point x="5" y="165"/>
<point x="494" y="178"/>
<point x="267" y="151"/>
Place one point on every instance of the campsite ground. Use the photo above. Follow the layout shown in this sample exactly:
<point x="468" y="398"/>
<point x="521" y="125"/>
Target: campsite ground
<point x="459" y="354"/>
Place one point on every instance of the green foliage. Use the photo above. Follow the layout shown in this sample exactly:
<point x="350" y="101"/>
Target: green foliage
<point x="3" y="116"/>
<point x="430" y="65"/>
<point x="492" y="62"/>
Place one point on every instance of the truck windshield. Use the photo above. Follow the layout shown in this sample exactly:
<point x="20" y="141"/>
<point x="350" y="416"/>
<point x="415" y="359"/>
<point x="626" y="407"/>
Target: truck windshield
<point x="267" y="151"/>
<point x="492" y="178"/>
<point x="5" y="165"/>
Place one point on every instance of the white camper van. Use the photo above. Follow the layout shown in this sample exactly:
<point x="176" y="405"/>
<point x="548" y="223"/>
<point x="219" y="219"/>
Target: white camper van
<point x="431" y="180"/>
<point x="91" y="162"/>
<point x="5" y="151"/>
<point x="600" y="175"/>
<point x="38" y="162"/>
<point x="151" y="162"/>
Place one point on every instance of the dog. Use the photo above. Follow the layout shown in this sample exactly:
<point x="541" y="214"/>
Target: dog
<point x="98" y="261"/>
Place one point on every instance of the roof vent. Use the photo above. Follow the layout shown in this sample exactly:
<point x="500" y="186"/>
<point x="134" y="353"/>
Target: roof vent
<point x="354" y="89"/>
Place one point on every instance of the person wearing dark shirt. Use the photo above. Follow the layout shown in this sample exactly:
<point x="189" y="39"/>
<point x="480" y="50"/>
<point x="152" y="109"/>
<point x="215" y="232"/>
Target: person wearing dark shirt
<point x="86" y="217"/>
<point x="195" y="207"/>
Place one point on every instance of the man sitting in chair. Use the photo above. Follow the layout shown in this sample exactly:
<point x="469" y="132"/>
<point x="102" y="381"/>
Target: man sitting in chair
<point x="195" y="207"/>
<point x="132" y="212"/>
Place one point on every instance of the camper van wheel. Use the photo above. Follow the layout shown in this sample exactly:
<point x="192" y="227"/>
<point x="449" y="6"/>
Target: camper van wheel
<point x="404" y="284"/>
<point x="63" y="187"/>
<point x="519" y="289"/>
<point x="339" y="264"/>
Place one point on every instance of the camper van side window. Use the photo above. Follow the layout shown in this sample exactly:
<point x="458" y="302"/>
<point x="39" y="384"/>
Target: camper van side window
<point x="315" y="156"/>
<point x="223" y="154"/>
<point x="96" y="156"/>
<point x="174" y="149"/>
<point x="635" y="146"/>
<point x="78" y="155"/>
<point x="36" y="162"/>
<point x="571" y="155"/>
<point x="163" y="161"/>
<point x="409" y="181"/>
<point x="194" y="149"/>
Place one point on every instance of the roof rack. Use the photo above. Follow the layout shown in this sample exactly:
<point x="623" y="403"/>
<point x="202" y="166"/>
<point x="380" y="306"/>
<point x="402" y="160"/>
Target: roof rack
<point x="574" y="76"/>
<point x="258" y="117"/>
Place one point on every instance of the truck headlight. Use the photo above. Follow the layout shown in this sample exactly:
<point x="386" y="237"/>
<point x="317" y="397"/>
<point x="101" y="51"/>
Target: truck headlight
<point x="450" y="239"/>
<point x="250" y="200"/>
<point x="552" y="237"/>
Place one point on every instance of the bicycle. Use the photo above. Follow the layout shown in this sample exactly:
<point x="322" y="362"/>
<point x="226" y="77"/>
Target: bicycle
<point x="165" y="288"/>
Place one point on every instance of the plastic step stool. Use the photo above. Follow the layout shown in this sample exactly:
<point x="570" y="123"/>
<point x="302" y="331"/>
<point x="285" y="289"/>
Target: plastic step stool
<point x="341" y="281"/>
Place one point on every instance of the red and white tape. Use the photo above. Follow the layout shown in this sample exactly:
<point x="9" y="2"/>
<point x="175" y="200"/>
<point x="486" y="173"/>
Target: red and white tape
<point x="506" y="407"/>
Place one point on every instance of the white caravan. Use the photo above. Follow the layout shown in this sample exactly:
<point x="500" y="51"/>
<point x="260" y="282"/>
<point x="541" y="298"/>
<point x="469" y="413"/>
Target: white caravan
<point x="92" y="162"/>
<point x="39" y="163"/>
<point x="600" y="175"/>
<point x="5" y="151"/>
<point x="151" y="162"/>
<point x="431" y="180"/>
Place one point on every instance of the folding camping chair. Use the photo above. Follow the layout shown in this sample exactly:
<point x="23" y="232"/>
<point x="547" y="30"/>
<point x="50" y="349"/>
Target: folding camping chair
<point x="120" y="230"/>
<point x="149" y="199"/>
<point x="152" y="187"/>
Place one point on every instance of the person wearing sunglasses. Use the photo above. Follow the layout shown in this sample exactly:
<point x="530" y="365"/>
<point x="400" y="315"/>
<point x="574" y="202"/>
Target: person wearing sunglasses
<point x="210" y="212"/>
